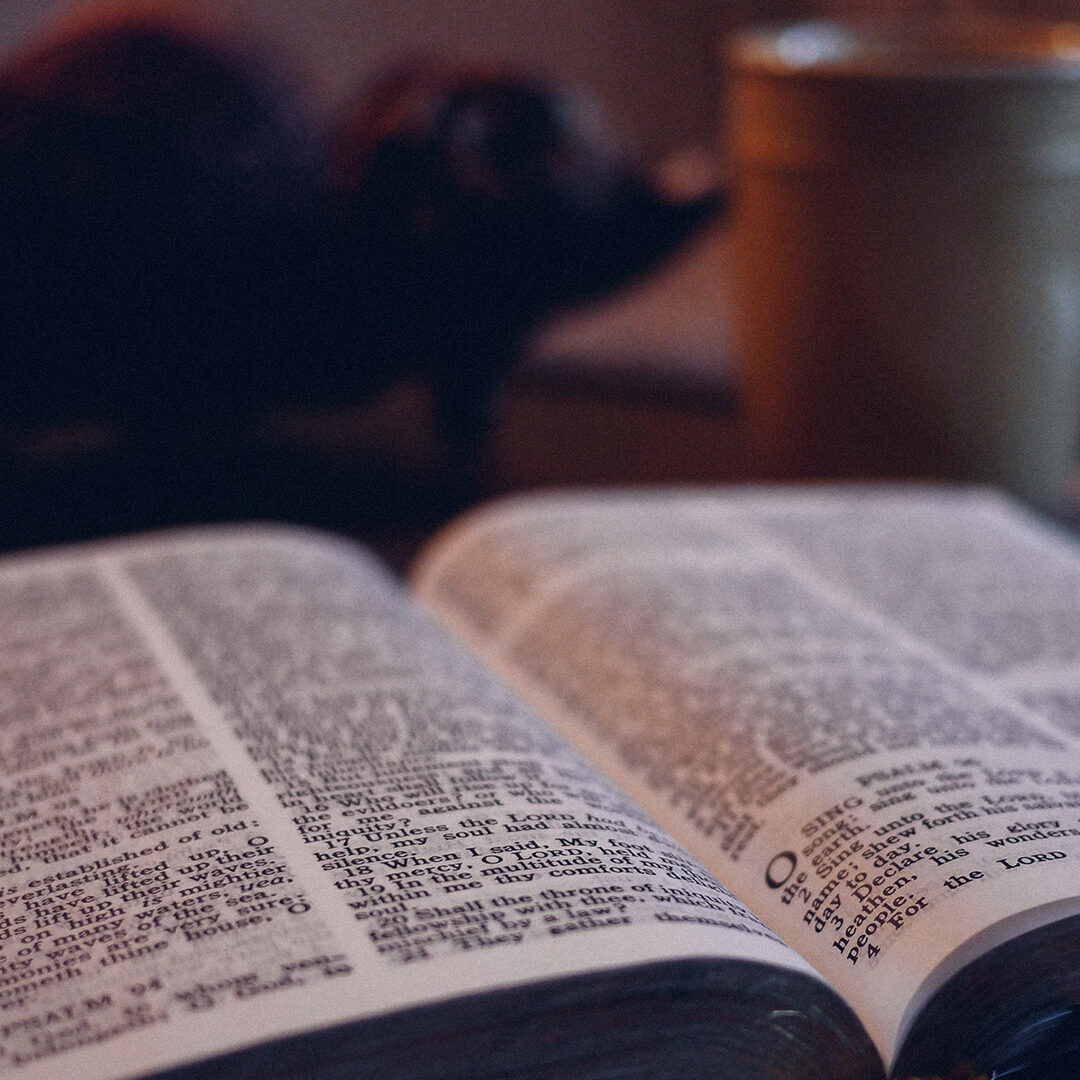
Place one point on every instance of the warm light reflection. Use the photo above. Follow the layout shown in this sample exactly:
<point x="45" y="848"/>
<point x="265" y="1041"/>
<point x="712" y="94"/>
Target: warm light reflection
<point x="1063" y="40"/>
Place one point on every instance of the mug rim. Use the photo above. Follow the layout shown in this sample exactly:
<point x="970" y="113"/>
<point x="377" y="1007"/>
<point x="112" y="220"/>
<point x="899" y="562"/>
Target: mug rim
<point x="946" y="46"/>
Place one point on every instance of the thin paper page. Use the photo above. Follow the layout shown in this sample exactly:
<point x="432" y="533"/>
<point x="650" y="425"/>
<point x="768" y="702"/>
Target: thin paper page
<point x="871" y="791"/>
<point x="249" y="791"/>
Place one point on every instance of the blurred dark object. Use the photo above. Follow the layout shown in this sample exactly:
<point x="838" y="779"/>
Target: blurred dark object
<point x="491" y="200"/>
<point x="185" y="254"/>
<point x="153" y="178"/>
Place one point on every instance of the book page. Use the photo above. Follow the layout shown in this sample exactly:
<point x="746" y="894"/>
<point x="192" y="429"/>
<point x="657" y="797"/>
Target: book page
<point x="856" y="706"/>
<point x="248" y="791"/>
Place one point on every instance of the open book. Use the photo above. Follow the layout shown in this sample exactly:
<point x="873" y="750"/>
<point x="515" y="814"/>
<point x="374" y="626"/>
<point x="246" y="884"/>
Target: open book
<point x="680" y="784"/>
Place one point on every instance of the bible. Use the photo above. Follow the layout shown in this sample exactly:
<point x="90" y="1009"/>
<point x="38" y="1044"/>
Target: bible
<point x="730" y="783"/>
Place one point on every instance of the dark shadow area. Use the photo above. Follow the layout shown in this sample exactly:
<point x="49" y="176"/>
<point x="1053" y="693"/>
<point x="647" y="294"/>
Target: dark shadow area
<point x="190" y="255"/>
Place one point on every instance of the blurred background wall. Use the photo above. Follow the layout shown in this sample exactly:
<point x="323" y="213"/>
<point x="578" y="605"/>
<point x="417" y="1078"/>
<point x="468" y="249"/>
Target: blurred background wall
<point x="653" y="63"/>
<point x="638" y="389"/>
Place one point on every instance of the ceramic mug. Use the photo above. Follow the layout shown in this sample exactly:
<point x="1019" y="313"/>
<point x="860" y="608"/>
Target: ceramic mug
<point x="906" y="233"/>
